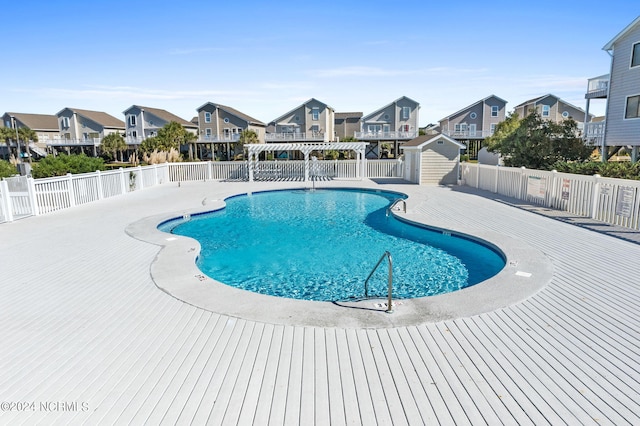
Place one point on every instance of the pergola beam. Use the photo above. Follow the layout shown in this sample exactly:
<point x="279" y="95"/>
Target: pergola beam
<point x="306" y="149"/>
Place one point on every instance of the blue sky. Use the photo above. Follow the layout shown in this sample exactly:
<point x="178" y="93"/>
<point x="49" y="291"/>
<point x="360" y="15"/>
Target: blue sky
<point x="266" y="58"/>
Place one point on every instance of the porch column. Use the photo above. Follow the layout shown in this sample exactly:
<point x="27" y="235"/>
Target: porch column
<point x="634" y="154"/>
<point x="306" y="165"/>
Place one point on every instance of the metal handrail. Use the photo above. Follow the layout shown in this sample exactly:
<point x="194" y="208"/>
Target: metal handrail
<point x="390" y="283"/>
<point x="404" y="203"/>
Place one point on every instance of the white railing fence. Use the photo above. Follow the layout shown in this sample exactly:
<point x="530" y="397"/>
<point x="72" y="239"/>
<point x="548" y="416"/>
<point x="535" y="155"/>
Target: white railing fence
<point x="613" y="201"/>
<point x="23" y="196"/>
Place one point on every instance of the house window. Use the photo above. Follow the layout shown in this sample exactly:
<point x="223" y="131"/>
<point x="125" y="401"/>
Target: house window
<point x="226" y="120"/>
<point x="386" y="116"/>
<point x="473" y="115"/>
<point x="132" y="120"/>
<point x="406" y="113"/>
<point x="494" y="110"/>
<point x="460" y="127"/>
<point x="207" y="117"/>
<point x="492" y="129"/>
<point x="386" y="128"/>
<point x="545" y="110"/>
<point x="315" y="113"/>
<point x="315" y="129"/>
<point x="633" y="107"/>
<point x="134" y="134"/>
<point x="65" y="122"/>
<point x="374" y="128"/>
<point x="635" y="55"/>
<point x="565" y="114"/>
<point x="207" y="132"/>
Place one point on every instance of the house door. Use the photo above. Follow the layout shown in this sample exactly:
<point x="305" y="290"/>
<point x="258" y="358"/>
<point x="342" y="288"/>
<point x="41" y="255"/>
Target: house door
<point x="472" y="129"/>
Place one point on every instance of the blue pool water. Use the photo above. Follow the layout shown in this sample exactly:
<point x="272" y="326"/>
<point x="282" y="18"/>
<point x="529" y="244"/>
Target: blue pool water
<point x="322" y="245"/>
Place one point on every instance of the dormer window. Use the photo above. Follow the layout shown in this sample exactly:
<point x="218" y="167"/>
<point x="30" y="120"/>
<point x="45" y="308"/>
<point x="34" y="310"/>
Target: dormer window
<point x="207" y="117"/>
<point x="132" y="120"/>
<point x="635" y="55"/>
<point x="494" y="110"/>
<point x="315" y="113"/>
<point x="406" y="113"/>
<point x="65" y="122"/>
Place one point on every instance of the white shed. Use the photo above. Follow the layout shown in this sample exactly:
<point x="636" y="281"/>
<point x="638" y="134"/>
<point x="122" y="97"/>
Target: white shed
<point x="432" y="160"/>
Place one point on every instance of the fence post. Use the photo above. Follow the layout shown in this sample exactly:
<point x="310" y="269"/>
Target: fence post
<point x="123" y="182"/>
<point x="522" y="182"/>
<point x="139" y="179"/>
<point x="5" y="201"/>
<point x="209" y="170"/>
<point x="31" y="189"/>
<point x="596" y="196"/>
<point x="99" y="179"/>
<point x="554" y="188"/>
<point x="72" y="193"/>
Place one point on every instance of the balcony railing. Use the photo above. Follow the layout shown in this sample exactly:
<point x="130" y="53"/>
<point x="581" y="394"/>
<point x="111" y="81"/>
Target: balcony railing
<point x="597" y="87"/>
<point x="305" y="137"/>
<point x="594" y="132"/>
<point x="385" y="135"/>
<point x="468" y="134"/>
<point x="74" y="142"/>
<point x="234" y="137"/>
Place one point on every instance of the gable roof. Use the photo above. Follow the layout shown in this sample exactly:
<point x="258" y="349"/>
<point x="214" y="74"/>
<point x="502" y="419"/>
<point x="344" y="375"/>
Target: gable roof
<point x="536" y="100"/>
<point x="346" y="115"/>
<point x="389" y="104"/>
<point x="472" y="105"/>
<point x="621" y="34"/>
<point x="37" y="121"/>
<point x="163" y="115"/>
<point x="235" y="112"/>
<point x="302" y="104"/>
<point x="423" y="140"/>
<point x="102" y="118"/>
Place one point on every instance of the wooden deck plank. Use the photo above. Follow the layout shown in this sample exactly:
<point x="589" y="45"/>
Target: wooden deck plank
<point x="108" y="336"/>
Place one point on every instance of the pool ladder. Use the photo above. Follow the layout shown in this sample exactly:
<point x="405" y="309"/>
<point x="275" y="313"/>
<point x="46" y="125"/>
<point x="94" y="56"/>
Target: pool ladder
<point x="390" y="283"/>
<point x="404" y="205"/>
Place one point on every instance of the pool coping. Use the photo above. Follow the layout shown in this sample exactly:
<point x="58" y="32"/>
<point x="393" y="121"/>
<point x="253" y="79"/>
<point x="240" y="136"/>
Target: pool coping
<point x="174" y="271"/>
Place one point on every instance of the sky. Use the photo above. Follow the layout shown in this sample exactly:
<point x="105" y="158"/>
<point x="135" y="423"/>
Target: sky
<point x="266" y="58"/>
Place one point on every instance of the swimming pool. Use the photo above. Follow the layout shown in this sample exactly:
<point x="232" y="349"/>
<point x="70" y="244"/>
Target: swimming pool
<point x="321" y="245"/>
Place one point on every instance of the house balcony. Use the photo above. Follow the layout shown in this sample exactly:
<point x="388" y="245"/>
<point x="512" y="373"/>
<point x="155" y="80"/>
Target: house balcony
<point x="385" y="136"/>
<point x="134" y="140"/>
<point x="597" y="87"/>
<point x="295" y="137"/>
<point x="468" y="134"/>
<point x="74" y="142"/>
<point x="232" y="138"/>
<point x="594" y="133"/>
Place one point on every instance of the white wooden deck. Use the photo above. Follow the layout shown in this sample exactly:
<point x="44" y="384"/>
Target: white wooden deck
<point x="81" y="322"/>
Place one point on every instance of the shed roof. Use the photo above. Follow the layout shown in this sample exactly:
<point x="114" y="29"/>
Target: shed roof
<point x="420" y="141"/>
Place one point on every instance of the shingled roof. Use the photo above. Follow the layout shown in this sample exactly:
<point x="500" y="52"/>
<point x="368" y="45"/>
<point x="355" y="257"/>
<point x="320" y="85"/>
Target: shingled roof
<point x="40" y="122"/>
<point x="102" y="118"/>
<point x="235" y="112"/>
<point x="166" y="116"/>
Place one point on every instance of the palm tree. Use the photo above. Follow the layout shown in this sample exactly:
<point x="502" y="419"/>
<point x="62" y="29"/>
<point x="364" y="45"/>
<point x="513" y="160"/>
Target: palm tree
<point x="246" y="136"/>
<point x="5" y="136"/>
<point x="112" y="144"/>
<point x="26" y="135"/>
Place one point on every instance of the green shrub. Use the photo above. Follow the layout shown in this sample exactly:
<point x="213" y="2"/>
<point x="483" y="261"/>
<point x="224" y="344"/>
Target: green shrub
<point x="63" y="164"/>
<point x="7" y="169"/>
<point x="620" y="170"/>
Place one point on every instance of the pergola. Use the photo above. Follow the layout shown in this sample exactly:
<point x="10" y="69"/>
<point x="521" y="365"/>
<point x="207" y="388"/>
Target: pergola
<point x="306" y="149"/>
